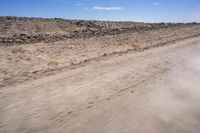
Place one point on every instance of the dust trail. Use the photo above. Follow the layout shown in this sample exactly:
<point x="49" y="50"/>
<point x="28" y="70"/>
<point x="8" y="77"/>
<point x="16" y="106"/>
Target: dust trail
<point x="175" y="103"/>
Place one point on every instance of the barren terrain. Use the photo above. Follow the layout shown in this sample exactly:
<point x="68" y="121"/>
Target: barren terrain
<point x="90" y="76"/>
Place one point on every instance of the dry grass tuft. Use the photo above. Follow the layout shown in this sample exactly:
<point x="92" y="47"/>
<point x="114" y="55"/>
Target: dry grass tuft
<point x="18" y="50"/>
<point x="53" y="63"/>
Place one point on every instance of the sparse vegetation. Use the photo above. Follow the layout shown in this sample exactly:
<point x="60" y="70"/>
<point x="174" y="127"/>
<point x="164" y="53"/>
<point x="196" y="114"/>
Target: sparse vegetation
<point x="53" y="63"/>
<point x="18" y="50"/>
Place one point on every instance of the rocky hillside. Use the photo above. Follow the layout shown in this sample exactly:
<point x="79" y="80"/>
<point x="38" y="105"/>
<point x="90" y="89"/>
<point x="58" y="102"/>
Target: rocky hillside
<point x="22" y="30"/>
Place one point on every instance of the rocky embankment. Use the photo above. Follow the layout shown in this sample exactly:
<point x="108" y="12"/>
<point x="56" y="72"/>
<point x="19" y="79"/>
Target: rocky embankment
<point x="21" y="30"/>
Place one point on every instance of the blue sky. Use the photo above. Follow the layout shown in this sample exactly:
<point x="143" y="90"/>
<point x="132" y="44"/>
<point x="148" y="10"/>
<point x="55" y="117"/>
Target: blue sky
<point x="120" y="10"/>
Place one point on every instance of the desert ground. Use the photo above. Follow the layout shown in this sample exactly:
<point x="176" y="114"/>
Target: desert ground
<point x="75" y="76"/>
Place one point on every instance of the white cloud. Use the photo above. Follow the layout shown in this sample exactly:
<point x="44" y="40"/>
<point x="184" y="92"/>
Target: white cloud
<point x="78" y="4"/>
<point x="106" y="8"/>
<point x="57" y="0"/>
<point x="155" y="4"/>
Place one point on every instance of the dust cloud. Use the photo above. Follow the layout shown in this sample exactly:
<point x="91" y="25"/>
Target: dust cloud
<point x="175" y="103"/>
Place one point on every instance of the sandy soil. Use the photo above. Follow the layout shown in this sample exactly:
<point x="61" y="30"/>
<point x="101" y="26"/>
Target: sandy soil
<point x="74" y="76"/>
<point x="156" y="90"/>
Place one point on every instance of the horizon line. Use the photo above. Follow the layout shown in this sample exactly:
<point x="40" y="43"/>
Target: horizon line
<point x="79" y="19"/>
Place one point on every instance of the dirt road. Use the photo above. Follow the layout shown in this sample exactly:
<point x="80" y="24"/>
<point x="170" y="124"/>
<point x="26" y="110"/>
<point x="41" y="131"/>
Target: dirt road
<point x="154" y="91"/>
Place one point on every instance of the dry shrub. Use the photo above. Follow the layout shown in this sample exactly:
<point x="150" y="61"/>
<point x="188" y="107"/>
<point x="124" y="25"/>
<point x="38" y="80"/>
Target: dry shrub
<point x="18" y="50"/>
<point x="53" y="63"/>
